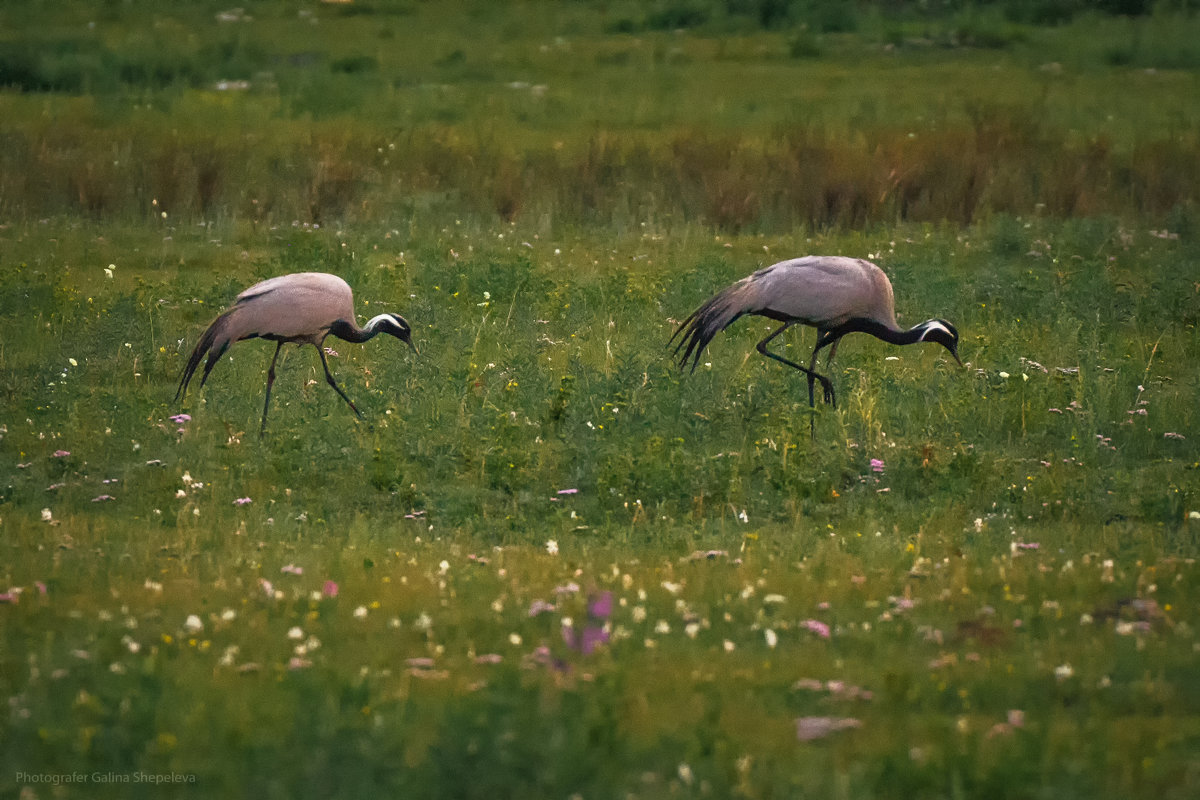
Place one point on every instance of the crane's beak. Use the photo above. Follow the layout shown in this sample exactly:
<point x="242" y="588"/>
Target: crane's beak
<point x="412" y="346"/>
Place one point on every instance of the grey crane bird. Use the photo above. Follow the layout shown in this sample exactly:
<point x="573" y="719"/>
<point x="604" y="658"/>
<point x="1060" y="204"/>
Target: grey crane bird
<point x="303" y="308"/>
<point x="834" y="294"/>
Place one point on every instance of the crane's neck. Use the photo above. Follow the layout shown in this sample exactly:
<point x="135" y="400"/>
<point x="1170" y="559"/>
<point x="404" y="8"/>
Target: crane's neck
<point x="888" y="333"/>
<point x="349" y="330"/>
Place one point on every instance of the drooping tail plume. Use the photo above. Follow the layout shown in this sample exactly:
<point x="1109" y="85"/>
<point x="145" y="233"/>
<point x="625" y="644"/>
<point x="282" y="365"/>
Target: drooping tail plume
<point x="213" y="343"/>
<point x="706" y="322"/>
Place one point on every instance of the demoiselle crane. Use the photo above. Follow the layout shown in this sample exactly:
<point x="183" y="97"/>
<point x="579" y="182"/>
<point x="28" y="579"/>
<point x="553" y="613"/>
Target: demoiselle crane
<point x="303" y="308"/>
<point x="834" y="294"/>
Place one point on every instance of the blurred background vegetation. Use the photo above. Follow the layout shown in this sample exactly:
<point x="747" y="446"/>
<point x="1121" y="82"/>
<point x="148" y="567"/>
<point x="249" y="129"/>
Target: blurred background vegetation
<point x="747" y="115"/>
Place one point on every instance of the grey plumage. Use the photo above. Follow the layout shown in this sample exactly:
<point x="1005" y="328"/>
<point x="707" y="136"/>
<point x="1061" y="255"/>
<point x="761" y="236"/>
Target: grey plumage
<point x="303" y="308"/>
<point x="834" y="294"/>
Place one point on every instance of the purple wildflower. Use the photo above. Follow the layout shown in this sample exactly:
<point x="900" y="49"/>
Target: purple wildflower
<point x="330" y="589"/>
<point x="179" y="419"/>
<point x="586" y="642"/>
<point x="876" y="465"/>
<point x="601" y="606"/>
<point x="241" y="501"/>
<point x="568" y="491"/>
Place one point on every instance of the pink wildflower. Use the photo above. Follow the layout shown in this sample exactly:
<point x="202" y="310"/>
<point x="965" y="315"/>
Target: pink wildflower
<point x="809" y="728"/>
<point x="538" y="607"/>
<point x="817" y="627"/>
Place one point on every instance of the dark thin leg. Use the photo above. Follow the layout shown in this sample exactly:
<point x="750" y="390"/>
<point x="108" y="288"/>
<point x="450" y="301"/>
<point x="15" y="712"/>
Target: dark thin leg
<point x="812" y="374"/>
<point x="812" y="367"/>
<point x="333" y="383"/>
<point x="825" y="339"/>
<point x="270" y="383"/>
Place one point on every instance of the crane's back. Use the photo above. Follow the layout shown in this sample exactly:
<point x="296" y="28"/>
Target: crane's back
<point x="298" y="306"/>
<point x="825" y="291"/>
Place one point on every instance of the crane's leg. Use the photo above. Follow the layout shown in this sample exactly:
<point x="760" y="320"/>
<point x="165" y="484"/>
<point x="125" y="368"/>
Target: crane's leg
<point x="270" y="382"/>
<point x="812" y="374"/>
<point x="825" y="338"/>
<point x="827" y="387"/>
<point x="812" y="367"/>
<point x="333" y="383"/>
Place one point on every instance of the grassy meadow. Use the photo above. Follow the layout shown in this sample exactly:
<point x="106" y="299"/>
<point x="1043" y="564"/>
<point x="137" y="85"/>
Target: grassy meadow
<point x="547" y="563"/>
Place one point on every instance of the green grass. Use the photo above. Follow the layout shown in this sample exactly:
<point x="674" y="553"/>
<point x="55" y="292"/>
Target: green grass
<point x="541" y="371"/>
<point x="1010" y="595"/>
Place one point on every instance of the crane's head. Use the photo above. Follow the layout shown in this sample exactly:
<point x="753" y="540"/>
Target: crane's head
<point x="394" y="324"/>
<point x="942" y="332"/>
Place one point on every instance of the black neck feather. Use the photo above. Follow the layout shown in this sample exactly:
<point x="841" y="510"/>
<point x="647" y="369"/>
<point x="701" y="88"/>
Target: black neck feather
<point x="876" y="329"/>
<point x="350" y="332"/>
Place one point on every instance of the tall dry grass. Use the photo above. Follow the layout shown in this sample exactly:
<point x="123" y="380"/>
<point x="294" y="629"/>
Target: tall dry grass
<point x="996" y="163"/>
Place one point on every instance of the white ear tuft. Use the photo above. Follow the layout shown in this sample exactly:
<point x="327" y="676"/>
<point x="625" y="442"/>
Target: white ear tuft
<point x="375" y="322"/>
<point x="934" y="325"/>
